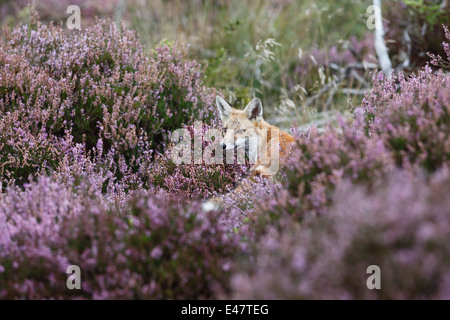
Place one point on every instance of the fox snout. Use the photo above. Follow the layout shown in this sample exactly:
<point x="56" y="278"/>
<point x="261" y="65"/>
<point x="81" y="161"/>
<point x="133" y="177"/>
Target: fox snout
<point x="229" y="140"/>
<point x="228" y="146"/>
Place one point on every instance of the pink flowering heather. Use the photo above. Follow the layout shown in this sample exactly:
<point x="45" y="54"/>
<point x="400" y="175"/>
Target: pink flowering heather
<point x="59" y="89"/>
<point x="88" y="178"/>
<point x="196" y="178"/>
<point x="379" y="185"/>
<point x="320" y="161"/>
<point x="402" y="227"/>
<point x="437" y="60"/>
<point x="412" y="117"/>
<point x="152" y="248"/>
<point x="248" y="213"/>
<point x="404" y="122"/>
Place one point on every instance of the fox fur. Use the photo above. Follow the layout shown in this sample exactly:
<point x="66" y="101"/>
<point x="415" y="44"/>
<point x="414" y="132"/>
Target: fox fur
<point x="246" y="129"/>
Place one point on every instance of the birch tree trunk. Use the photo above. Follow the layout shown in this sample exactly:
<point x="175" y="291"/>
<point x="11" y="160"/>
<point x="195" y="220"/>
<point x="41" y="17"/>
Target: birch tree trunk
<point x="380" y="45"/>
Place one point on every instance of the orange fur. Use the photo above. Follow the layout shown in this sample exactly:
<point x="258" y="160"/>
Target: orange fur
<point x="248" y="124"/>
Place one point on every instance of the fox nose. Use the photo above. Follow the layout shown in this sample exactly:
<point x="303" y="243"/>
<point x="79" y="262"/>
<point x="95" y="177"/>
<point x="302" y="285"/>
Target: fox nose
<point x="224" y="146"/>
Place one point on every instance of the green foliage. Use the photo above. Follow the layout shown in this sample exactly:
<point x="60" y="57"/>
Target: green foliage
<point x="227" y="37"/>
<point x="432" y="11"/>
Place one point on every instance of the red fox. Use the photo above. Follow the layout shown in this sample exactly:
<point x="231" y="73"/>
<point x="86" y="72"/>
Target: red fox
<point x="246" y="130"/>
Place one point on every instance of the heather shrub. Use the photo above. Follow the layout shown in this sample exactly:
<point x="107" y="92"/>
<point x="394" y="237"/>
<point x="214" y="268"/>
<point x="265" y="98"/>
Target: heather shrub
<point x="150" y="248"/>
<point x="369" y="214"/>
<point x="401" y="227"/>
<point x="413" y="28"/>
<point x="439" y="61"/>
<point x="320" y="161"/>
<point x="197" y="178"/>
<point x="411" y="115"/>
<point x="403" y="122"/>
<point x="58" y="86"/>
<point x="88" y="177"/>
<point x="247" y="209"/>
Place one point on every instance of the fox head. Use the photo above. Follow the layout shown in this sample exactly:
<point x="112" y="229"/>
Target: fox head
<point x="241" y="127"/>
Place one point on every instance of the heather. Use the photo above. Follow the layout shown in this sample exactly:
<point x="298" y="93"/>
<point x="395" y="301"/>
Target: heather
<point x="403" y="123"/>
<point x="88" y="177"/>
<point x="147" y="249"/>
<point x="197" y="175"/>
<point x="370" y="191"/>
<point x="319" y="162"/>
<point x="59" y="90"/>
<point x="402" y="227"/>
<point x="298" y="56"/>
<point x="411" y="116"/>
<point x="247" y="47"/>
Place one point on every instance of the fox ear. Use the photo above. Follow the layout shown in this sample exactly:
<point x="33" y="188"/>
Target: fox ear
<point x="223" y="107"/>
<point x="254" y="110"/>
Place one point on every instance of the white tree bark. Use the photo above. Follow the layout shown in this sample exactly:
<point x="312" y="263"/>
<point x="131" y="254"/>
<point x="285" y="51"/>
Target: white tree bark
<point x="380" y="45"/>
